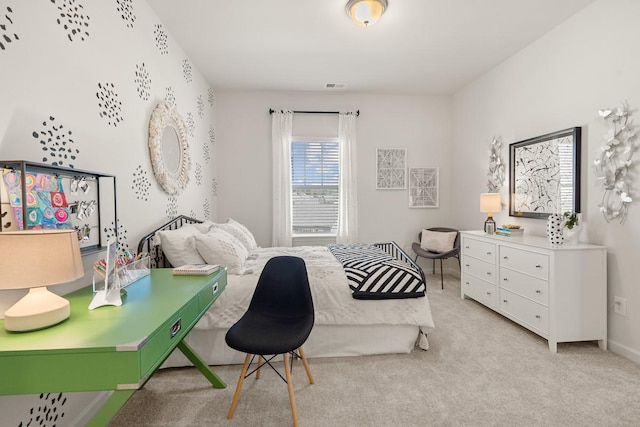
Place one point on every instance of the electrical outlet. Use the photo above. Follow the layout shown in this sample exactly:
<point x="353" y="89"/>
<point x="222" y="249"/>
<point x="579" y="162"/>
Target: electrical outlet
<point x="620" y="306"/>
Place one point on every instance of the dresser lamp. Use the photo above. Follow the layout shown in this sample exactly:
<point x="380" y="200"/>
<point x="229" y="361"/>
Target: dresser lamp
<point x="34" y="260"/>
<point x="490" y="203"/>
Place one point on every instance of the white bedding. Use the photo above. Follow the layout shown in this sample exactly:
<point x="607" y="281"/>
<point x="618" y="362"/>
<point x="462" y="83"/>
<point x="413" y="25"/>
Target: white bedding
<point x="332" y="299"/>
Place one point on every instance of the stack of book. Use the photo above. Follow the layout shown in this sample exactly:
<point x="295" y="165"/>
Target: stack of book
<point x="504" y="231"/>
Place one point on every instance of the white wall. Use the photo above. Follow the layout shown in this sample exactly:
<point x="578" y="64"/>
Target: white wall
<point x="421" y="124"/>
<point x="588" y="63"/>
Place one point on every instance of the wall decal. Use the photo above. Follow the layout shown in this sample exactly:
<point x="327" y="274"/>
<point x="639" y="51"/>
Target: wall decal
<point x="143" y="82"/>
<point x="191" y="125"/>
<point x="125" y="8"/>
<point x="206" y="153"/>
<point x="211" y="97"/>
<point x="170" y="96"/>
<point x="141" y="183"/>
<point x="193" y="214"/>
<point x="200" y="106"/>
<point x="6" y="36"/>
<point x="186" y="68"/>
<point x="172" y="207"/>
<point x="72" y="18"/>
<point x="206" y="208"/>
<point x="161" y="39"/>
<point x="57" y="144"/>
<point x="214" y="187"/>
<point x="198" y="173"/>
<point x="212" y="135"/>
<point x="119" y="235"/>
<point x="109" y="104"/>
<point x="48" y="412"/>
<point x="615" y="166"/>
<point x="496" y="166"/>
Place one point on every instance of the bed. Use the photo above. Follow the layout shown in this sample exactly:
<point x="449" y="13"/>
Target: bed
<point x="345" y="324"/>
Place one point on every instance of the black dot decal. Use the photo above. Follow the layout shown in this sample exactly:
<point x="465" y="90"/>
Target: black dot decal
<point x="109" y="104"/>
<point x="198" y="174"/>
<point x="125" y="9"/>
<point x="143" y="82"/>
<point x="170" y="97"/>
<point x="72" y="18"/>
<point x="200" y="106"/>
<point x="190" y="124"/>
<point x="56" y="143"/>
<point x="120" y="235"/>
<point x="6" y="36"/>
<point x="172" y="207"/>
<point x="141" y="184"/>
<point x="211" y="97"/>
<point x="186" y="68"/>
<point x="48" y="412"/>
<point x="161" y="39"/>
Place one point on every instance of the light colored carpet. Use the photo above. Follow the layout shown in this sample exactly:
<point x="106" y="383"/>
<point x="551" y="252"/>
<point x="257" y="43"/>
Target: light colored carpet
<point x="481" y="370"/>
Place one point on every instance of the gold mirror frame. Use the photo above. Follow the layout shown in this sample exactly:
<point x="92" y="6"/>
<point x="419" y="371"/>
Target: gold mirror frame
<point x="166" y="115"/>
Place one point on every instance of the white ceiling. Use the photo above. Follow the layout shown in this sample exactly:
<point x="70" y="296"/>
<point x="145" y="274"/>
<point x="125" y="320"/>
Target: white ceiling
<point x="418" y="46"/>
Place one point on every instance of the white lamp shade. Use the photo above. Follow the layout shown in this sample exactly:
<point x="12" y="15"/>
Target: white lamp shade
<point x="38" y="258"/>
<point x="365" y="12"/>
<point x="490" y="202"/>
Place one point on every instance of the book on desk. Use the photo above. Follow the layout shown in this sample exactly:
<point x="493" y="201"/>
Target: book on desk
<point x="195" y="270"/>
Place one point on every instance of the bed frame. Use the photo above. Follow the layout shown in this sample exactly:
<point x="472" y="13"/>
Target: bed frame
<point x="158" y="260"/>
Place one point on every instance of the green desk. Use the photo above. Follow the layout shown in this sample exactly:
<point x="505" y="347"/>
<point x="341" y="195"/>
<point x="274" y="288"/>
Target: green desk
<point x="111" y="348"/>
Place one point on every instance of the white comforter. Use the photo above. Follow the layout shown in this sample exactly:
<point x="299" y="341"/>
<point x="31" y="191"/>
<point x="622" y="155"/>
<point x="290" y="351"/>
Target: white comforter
<point x="332" y="299"/>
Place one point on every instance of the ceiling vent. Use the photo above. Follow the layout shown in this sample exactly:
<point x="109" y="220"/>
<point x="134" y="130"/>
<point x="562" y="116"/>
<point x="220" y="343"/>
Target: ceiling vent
<point x="335" y="85"/>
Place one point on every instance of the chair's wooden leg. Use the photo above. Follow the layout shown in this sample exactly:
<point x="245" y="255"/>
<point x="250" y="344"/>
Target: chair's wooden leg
<point x="292" y="399"/>
<point x="258" y="371"/>
<point x="306" y="365"/>
<point x="236" y="395"/>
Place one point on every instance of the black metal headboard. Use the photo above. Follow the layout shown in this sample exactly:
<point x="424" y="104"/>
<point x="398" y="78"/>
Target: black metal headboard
<point x="146" y="243"/>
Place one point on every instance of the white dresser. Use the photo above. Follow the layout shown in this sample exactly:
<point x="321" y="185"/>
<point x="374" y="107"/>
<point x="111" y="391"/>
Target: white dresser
<point x="558" y="292"/>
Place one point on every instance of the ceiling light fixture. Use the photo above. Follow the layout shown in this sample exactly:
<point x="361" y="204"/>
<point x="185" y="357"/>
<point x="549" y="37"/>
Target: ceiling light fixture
<point x="365" y="12"/>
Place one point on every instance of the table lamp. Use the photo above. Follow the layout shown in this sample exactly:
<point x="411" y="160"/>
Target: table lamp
<point x="33" y="260"/>
<point x="490" y="203"/>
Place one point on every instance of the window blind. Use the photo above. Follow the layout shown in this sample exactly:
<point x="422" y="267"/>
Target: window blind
<point x="314" y="180"/>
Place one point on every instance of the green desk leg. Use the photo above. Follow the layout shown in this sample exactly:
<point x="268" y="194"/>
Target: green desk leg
<point x="107" y="411"/>
<point x="201" y="365"/>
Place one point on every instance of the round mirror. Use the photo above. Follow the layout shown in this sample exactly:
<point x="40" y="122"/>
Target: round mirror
<point x="169" y="148"/>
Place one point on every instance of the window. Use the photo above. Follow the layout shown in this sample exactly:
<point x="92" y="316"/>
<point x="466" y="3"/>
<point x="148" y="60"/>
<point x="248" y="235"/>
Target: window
<point x="315" y="171"/>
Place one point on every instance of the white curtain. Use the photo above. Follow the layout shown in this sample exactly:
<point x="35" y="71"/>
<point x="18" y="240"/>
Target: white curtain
<point x="347" y="207"/>
<point x="281" y="129"/>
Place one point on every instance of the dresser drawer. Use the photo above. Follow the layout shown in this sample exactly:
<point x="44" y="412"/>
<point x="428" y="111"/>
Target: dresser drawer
<point x="532" y="263"/>
<point x="481" y="269"/>
<point x="525" y="285"/>
<point x="527" y="312"/>
<point x="478" y="249"/>
<point x="167" y="336"/>
<point x="480" y="290"/>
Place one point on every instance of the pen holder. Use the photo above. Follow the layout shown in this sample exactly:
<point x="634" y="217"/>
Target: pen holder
<point x="125" y="275"/>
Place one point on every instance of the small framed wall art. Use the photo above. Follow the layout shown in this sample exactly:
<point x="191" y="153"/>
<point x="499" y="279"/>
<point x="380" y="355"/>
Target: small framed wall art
<point x="391" y="169"/>
<point x="423" y="187"/>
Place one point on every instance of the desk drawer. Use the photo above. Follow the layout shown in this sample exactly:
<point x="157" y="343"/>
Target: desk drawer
<point x="478" y="249"/>
<point x="210" y="294"/>
<point x="167" y="336"/>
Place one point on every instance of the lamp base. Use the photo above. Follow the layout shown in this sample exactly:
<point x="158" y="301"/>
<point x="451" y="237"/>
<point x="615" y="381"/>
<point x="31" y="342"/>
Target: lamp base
<point x="490" y="225"/>
<point x="39" y="309"/>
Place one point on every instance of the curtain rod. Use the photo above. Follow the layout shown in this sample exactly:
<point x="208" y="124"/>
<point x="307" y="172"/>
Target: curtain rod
<point x="271" y="111"/>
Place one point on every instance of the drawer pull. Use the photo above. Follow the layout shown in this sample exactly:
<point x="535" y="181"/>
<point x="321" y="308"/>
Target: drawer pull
<point x="488" y="253"/>
<point x="504" y="279"/>
<point x="214" y="288"/>
<point x="466" y="283"/>
<point x="538" y="291"/>
<point x="537" y="316"/>
<point x="505" y="257"/>
<point x="538" y="266"/>
<point x="488" y="293"/>
<point x="466" y="247"/>
<point x="466" y="265"/>
<point x="505" y="301"/>
<point x="175" y="328"/>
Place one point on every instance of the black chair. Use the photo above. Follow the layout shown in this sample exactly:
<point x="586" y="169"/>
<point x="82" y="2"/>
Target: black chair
<point x="278" y="321"/>
<point x="454" y="253"/>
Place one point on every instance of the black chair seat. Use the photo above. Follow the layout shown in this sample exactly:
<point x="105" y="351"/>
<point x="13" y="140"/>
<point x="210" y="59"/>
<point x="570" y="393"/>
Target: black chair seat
<point x="256" y="333"/>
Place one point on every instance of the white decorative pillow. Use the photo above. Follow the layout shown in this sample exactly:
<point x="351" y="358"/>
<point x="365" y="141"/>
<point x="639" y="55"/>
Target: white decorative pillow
<point x="205" y="226"/>
<point x="221" y="248"/>
<point x="179" y="245"/>
<point x="438" y="241"/>
<point x="241" y="233"/>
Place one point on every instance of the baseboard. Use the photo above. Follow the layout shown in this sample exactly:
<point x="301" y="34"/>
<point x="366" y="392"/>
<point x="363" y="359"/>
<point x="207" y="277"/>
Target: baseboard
<point x="623" y="351"/>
